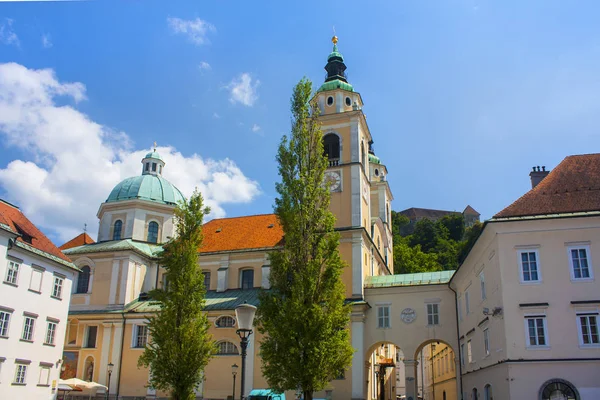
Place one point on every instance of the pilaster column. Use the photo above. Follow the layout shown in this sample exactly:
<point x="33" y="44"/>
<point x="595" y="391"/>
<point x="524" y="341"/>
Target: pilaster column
<point x="358" y="359"/>
<point x="458" y="376"/>
<point x="116" y="356"/>
<point x="104" y="352"/>
<point x="410" y="368"/>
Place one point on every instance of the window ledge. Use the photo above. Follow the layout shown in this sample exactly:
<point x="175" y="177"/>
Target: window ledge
<point x="18" y="384"/>
<point x="34" y="291"/>
<point x="537" y="347"/>
<point x="26" y="341"/>
<point x="576" y="280"/>
<point x="49" y="344"/>
<point x="3" y="337"/>
<point x="56" y="298"/>
<point x="590" y="346"/>
<point x="138" y="348"/>
<point x="10" y="284"/>
<point x="530" y="282"/>
<point x="41" y="385"/>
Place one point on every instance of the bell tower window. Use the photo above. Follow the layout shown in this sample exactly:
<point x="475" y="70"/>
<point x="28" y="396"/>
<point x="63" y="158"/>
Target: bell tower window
<point x="147" y="166"/>
<point x="118" y="228"/>
<point x="153" y="167"/>
<point x="153" y="232"/>
<point x="331" y="148"/>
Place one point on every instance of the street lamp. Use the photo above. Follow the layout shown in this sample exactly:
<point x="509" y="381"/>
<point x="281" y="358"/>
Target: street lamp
<point x="110" y="370"/>
<point x="234" y="369"/>
<point x="244" y="313"/>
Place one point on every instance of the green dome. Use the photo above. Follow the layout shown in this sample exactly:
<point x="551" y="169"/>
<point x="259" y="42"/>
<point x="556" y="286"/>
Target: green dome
<point x="336" y="84"/>
<point x="374" y="159"/>
<point x="154" y="154"/>
<point x="146" y="187"/>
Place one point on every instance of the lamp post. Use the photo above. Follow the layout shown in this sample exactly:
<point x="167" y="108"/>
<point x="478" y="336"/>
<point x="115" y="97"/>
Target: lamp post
<point x="234" y="369"/>
<point x="244" y="313"/>
<point x="110" y="370"/>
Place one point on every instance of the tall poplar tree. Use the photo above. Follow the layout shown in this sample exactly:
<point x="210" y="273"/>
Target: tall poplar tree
<point x="304" y="316"/>
<point x="180" y="345"/>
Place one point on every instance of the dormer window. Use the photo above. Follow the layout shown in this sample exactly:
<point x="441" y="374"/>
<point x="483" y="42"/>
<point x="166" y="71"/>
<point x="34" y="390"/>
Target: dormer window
<point x="147" y="166"/>
<point x="153" y="232"/>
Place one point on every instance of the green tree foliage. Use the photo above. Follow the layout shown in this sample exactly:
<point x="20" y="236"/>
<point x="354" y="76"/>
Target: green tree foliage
<point x="432" y="246"/>
<point x="304" y="316"/>
<point x="471" y="236"/>
<point x="180" y="345"/>
<point x="410" y="259"/>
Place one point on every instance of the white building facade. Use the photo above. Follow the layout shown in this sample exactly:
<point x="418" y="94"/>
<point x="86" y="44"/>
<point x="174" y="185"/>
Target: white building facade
<point x="35" y="289"/>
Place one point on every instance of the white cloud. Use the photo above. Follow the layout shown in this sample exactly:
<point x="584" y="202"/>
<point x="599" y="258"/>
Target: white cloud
<point x="7" y="35"/>
<point x="46" y="41"/>
<point x="204" y="66"/>
<point x="195" y="29"/>
<point x="216" y="116"/>
<point x="243" y="90"/>
<point x="255" y="128"/>
<point x="75" y="162"/>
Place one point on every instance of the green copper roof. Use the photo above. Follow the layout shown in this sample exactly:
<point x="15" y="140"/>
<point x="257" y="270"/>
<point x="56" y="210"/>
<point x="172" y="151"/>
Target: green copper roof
<point x="143" y="248"/>
<point x="336" y="84"/>
<point x="146" y="187"/>
<point x="374" y="159"/>
<point x="424" y="278"/>
<point x="154" y="154"/>
<point x="335" y="53"/>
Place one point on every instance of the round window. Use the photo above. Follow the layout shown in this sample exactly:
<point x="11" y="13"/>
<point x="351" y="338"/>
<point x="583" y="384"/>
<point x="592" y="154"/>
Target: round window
<point x="348" y="101"/>
<point x="330" y="101"/>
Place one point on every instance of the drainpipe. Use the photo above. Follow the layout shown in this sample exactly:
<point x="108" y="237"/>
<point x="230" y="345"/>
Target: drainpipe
<point x="121" y="358"/>
<point x="457" y="336"/>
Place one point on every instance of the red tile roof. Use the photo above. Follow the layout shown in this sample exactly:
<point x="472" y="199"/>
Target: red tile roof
<point x="241" y="233"/>
<point x="573" y="186"/>
<point x="18" y="222"/>
<point x="77" y="241"/>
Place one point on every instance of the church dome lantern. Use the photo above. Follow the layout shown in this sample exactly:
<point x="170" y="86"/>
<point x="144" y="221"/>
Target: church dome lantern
<point x="336" y="71"/>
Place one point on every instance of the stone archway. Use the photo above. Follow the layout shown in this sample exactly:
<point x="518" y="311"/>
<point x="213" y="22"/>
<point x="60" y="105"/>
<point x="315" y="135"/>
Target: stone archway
<point x="384" y="360"/>
<point x="439" y="367"/>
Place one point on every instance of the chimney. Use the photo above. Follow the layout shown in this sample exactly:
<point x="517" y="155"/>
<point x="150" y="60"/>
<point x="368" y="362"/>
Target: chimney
<point x="537" y="175"/>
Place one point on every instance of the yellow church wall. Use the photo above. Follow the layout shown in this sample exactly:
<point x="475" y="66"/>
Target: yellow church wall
<point x="101" y="283"/>
<point x="133" y="379"/>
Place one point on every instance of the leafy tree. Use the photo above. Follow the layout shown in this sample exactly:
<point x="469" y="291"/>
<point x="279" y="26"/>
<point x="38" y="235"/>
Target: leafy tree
<point x="455" y="223"/>
<point x="304" y="316"/>
<point x="447" y="253"/>
<point x="425" y="235"/>
<point x="180" y="345"/>
<point x="399" y="222"/>
<point x="471" y="236"/>
<point x="410" y="259"/>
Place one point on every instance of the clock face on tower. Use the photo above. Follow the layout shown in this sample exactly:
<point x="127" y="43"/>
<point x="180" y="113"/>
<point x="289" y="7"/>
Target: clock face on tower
<point x="333" y="180"/>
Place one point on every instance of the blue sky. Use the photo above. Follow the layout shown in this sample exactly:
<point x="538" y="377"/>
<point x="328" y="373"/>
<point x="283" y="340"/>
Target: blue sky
<point x="462" y="97"/>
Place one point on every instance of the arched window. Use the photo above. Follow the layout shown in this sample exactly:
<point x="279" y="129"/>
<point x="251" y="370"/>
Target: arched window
<point x="118" y="228"/>
<point x="558" y="389"/>
<point x="444" y="395"/>
<point x="225" y="322"/>
<point x="487" y="392"/>
<point x="474" y="394"/>
<point x="206" y="279"/>
<point x="227" y="349"/>
<point x="331" y="148"/>
<point x="153" y="232"/>
<point x="247" y="279"/>
<point x="83" y="280"/>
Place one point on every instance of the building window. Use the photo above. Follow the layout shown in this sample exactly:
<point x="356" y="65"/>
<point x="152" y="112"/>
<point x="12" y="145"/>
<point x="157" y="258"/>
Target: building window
<point x="469" y="352"/>
<point x="117" y="229"/>
<point x="487" y="392"/>
<point x="331" y="147"/>
<point x="206" y="280"/>
<point x="536" y="331"/>
<point x="383" y="317"/>
<point x="486" y="341"/>
<point x="462" y="354"/>
<point x="225" y="322"/>
<point x="4" y="321"/>
<point x="50" y="332"/>
<point x="580" y="262"/>
<point x="153" y="232"/>
<point x="558" y="389"/>
<point x="20" y="374"/>
<point x="12" y="273"/>
<point x="147" y="166"/>
<point x="529" y="266"/>
<point x="467" y="303"/>
<point x="44" y="376"/>
<point x="474" y="395"/>
<point x="588" y="329"/>
<point x="90" y="339"/>
<point x="83" y="280"/>
<point x="482" y="282"/>
<point x="247" y="279"/>
<point x="35" y="284"/>
<point x="28" y="327"/>
<point x="140" y="336"/>
<point x="433" y="316"/>
<point x="459" y="306"/>
<point x="227" y="349"/>
<point x="57" y="287"/>
<point x="153" y="167"/>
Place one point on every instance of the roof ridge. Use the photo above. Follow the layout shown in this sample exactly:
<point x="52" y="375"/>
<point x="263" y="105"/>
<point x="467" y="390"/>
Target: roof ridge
<point x="242" y="216"/>
<point x="10" y="204"/>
